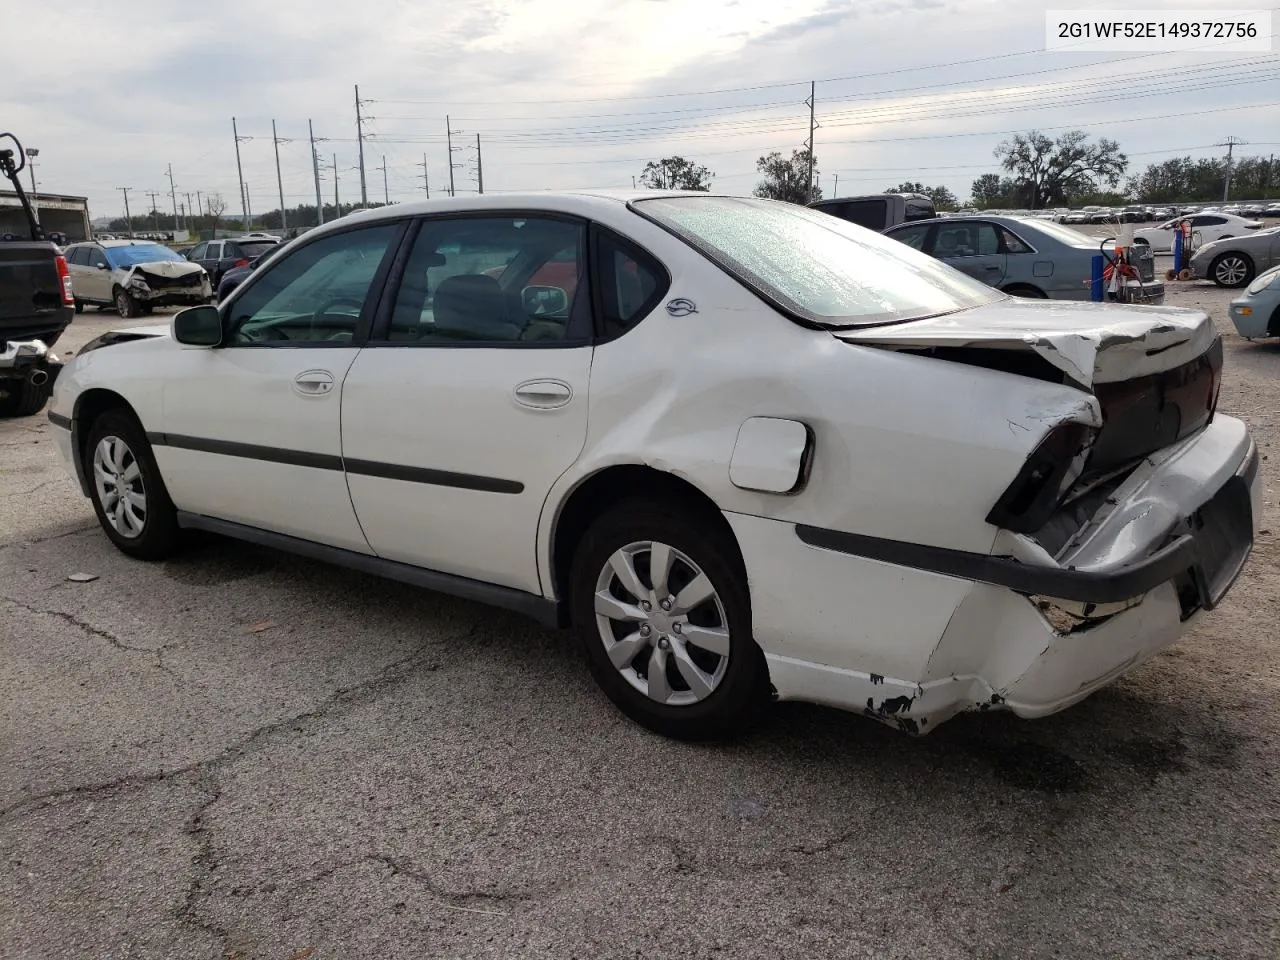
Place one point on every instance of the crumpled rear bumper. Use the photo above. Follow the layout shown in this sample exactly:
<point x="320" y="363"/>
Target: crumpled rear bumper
<point x="1031" y="634"/>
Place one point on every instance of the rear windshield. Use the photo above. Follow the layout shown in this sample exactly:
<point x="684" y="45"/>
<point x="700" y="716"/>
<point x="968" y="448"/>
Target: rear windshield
<point x="816" y="266"/>
<point x="137" y="253"/>
<point x="256" y="248"/>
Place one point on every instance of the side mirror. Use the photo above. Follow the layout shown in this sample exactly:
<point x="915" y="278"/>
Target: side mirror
<point x="100" y="265"/>
<point x="544" y="301"/>
<point x="198" y="326"/>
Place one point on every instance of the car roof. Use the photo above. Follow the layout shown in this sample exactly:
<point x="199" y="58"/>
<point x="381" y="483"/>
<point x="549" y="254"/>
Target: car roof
<point x="118" y="243"/>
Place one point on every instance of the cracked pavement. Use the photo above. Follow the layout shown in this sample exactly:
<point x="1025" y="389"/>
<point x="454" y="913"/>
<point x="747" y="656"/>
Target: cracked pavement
<point x="240" y="754"/>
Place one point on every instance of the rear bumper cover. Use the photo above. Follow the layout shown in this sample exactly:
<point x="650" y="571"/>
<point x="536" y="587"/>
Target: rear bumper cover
<point x="1195" y="552"/>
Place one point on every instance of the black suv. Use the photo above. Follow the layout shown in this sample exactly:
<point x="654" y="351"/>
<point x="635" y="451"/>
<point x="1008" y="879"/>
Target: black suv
<point x="219" y="256"/>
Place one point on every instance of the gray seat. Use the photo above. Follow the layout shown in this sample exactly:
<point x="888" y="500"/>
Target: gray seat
<point x="471" y="306"/>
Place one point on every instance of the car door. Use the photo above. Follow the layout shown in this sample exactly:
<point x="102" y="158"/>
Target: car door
<point x="209" y="260"/>
<point x="97" y="277"/>
<point x="196" y="253"/>
<point x="251" y="428"/>
<point x="471" y="398"/>
<point x="1208" y="228"/>
<point x="973" y="247"/>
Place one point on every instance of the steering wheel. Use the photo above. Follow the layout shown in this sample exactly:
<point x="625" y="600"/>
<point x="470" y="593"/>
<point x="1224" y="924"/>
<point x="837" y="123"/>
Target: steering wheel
<point x="261" y="335"/>
<point x="323" y="309"/>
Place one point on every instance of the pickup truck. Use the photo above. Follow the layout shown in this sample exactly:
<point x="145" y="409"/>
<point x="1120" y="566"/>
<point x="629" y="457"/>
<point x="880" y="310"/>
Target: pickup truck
<point x="36" y="304"/>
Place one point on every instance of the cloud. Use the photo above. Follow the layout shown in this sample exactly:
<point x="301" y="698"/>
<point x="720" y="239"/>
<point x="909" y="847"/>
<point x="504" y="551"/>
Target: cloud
<point x="578" y="95"/>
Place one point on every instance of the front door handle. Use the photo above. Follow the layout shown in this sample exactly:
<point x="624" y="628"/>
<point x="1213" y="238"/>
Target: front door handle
<point x="543" y="394"/>
<point x="991" y="266"/>
<point x="313" y="383"/>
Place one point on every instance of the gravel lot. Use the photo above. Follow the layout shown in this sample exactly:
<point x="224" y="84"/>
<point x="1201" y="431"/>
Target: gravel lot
<point x="239" y="754"/>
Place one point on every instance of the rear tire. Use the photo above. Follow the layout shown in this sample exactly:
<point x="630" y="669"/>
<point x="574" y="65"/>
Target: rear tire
<point x="128" y="493"/>
<point x="713" y="682"/>
<point x="25" y="398"/>
<point x="1029" y="293"/>
<point x="79" y="306"/>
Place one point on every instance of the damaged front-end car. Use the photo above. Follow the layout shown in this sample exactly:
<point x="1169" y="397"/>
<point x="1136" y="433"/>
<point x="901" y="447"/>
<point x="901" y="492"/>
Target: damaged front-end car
<point x="164" y="284"/>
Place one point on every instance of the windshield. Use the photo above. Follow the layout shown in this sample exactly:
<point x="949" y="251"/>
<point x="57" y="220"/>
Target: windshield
<point x="817" y="266"/>
<point x="134" y="254"/>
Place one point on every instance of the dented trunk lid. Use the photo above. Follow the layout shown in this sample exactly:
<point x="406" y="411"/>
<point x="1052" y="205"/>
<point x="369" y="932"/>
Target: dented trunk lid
<point x="1091" y="343"/>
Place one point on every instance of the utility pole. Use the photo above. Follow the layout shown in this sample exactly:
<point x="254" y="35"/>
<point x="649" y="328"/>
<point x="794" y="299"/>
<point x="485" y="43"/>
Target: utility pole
<point x="244" y="193"/>
<point x="127" y="218"/>
<point x="448" y="132"/>
<point x="32" y="153"/>
<point x="835" y="185"/>
<point x="337" y="205"/>
<point x="386" y="194"/>
<point x="173" y="195"/>
<point x="279" y="182"/>
<point x="479" y="166"/>
<point x="364" y="194"/>
<point x="248" y="207"/>
<point x="155" y="214"/>
<point x="186" y="209"/>
<point x="1231" y="143"/>
<point x="426" y="180"/>
<point x="811" y="102"/>
<point x="200" y="203"/>
<point x="315" y="169"/>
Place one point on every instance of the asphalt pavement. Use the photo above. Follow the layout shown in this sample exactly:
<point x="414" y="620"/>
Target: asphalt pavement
<point x="240" y="754"/>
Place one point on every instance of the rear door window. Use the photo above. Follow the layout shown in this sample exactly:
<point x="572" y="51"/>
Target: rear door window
<point x="630" y="281"/>
<point x="913" y="237"/>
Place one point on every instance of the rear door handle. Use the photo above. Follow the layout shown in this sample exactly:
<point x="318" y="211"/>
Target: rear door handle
<point x="313" y="383"/>
<point x="543" y="394"/>
<point x="991" y="266"/>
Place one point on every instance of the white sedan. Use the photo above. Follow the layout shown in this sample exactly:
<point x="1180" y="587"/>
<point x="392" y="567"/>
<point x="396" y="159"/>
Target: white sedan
<point x="1205" y="228"/>
<point x="746" y="449"/>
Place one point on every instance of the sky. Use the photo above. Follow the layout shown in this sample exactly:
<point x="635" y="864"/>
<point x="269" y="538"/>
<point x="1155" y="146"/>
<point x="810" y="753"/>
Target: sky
<point x="567" y="94"/>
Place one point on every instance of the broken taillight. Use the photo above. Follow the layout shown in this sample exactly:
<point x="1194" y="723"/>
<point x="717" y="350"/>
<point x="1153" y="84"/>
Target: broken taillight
<point x="242" y="262"/>
<point x="1054" y="465"/>
<point x="64" y="280"/>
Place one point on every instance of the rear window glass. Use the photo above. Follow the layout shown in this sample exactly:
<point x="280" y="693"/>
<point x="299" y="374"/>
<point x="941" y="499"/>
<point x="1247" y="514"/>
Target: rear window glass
<point x="817" y="266"/>
<point x="255" y="248"/>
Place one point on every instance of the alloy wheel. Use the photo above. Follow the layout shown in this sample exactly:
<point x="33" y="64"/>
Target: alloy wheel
<point x="117" y="479"/>
<point x="1231" y="271"/>
<point x="662" y="623"/>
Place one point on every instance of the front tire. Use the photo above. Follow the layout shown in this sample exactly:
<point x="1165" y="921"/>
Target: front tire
<point x="128" y="493"/>
<point x="79" y="305"/>
<point x="1231" y="270"/>
<point x="127" y="304"/>
<point x="660" y="601"/>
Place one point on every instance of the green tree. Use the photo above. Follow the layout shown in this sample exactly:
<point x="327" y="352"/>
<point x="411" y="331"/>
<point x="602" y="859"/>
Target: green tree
<point x="787" y="179"/>
<point x="1054" y="171"/>
<point x="994" y="192"/>
<point x="942" y="198"/>
<point x="675" y="173"/>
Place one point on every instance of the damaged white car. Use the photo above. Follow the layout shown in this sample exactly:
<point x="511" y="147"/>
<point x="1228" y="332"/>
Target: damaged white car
<point x="748" y="450"/>
<point x="134" y="276"/>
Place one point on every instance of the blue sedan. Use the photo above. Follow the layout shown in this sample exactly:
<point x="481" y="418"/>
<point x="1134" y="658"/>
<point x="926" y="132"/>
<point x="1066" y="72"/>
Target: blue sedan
<point x="1023" y="257"/>
<point x="1256" y="313"/>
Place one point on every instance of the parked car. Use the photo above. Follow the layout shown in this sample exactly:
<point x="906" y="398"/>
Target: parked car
<point x="879" y="211"/>
<point x="134" y="276"/>
<point x="1023" y="257"/>
<point x="1256" y="312"/>
<point x="1205" y="228"/>
<point x="237" y="275"/>
<point x="1237" y="260"/>
<point x="219" y="256"/>
<point x="771" y="453"/>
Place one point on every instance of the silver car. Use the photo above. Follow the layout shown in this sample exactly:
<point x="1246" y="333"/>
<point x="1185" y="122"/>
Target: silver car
<point x="1234" y="261"/>
<point x="1023" y="257"/>
<point x="1256" y="312"/>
